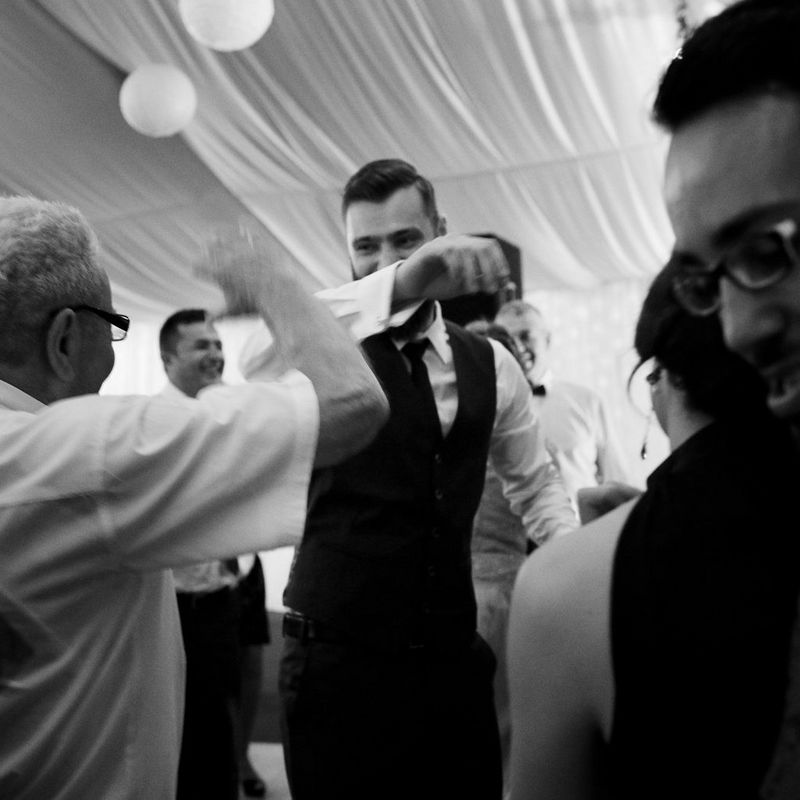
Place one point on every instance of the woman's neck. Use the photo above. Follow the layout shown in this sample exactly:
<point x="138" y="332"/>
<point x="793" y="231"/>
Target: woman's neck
<point x="685" y="424"/>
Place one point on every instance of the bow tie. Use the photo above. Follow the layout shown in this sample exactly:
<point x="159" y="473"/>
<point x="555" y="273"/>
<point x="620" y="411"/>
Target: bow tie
<point x="540" y="390"/>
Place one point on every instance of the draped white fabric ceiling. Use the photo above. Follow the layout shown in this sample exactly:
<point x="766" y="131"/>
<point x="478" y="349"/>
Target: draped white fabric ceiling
<point x="531" y="117"/>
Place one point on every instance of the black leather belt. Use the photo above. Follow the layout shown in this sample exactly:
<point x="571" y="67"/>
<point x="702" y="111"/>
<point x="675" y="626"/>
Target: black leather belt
<point x="299" y="626"/>
<point x="305" y="629"/>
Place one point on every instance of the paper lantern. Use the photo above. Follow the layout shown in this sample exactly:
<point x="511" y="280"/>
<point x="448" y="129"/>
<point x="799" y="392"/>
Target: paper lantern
<point x="227" y="24"/>
<point x="157" y="99"/>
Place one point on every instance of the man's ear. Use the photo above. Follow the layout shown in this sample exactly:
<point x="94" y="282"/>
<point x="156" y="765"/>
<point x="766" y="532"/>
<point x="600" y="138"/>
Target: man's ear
<point x="441" y="226"/>
<point x="62" y="344"/>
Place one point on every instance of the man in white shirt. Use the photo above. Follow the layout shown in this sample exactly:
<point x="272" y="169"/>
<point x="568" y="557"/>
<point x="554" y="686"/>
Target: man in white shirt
<point x="573" y="418"/>
<point x="101" y="496"/>
<point x="191" y="352"/>
<point x="382" y="667"/>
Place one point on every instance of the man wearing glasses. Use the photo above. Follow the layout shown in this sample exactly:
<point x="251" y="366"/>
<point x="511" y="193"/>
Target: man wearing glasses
<point x="730" y="100"/>
<point x="731" y="103"/>
<point x="101" y="496"/>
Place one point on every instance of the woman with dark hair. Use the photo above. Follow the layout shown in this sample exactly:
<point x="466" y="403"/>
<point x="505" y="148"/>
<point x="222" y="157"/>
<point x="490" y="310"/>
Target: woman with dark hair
<point x="647" y="650"/>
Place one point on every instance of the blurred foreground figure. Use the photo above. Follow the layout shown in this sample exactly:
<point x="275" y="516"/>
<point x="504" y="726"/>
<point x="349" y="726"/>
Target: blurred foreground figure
<point x="648" y="650"/>
<point x="732" y="104"/>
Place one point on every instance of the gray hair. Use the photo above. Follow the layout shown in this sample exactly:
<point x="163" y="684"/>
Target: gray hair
<point x="48" y="260"/>
<point x="517" y="308"/>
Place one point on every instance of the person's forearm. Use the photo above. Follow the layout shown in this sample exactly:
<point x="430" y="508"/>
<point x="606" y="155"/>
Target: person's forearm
<point x="366" y="306"/>
<point x="352" y="404"/>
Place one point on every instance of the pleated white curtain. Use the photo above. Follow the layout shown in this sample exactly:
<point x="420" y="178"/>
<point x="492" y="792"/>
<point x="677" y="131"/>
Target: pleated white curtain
<point x="531" y="117"/>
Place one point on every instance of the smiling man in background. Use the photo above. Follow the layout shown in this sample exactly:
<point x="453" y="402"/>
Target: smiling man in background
<point x="191" y="352"/>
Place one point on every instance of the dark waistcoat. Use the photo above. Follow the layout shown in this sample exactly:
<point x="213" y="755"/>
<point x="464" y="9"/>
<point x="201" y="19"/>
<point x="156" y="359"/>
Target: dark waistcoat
<point x="385" y="558"/>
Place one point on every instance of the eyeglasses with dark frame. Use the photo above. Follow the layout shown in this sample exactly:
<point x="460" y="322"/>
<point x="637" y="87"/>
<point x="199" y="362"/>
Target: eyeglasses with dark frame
<point x="118" y="323"/>
<point x="756" y="263"/>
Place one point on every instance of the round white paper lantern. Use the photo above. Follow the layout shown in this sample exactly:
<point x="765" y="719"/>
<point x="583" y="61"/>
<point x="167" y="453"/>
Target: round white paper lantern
<point x="227" y="24"/>
<point x="157" y="99"/>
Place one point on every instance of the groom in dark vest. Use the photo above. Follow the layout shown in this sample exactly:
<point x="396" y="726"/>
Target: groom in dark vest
<point x="386" y="687"/>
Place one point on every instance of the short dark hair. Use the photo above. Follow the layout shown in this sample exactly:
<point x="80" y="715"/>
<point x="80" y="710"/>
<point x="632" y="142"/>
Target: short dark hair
<point x="717" y="381"/>
<point x="379" y="180"/>
<point x="168" y="335"/>
<point x="751" y="47"/>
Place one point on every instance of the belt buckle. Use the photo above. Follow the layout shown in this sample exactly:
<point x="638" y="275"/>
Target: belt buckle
<point x="298" y="626"/>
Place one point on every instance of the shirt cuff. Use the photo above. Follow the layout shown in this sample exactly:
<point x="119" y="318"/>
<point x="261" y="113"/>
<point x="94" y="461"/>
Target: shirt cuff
<point x="375" y="293"/>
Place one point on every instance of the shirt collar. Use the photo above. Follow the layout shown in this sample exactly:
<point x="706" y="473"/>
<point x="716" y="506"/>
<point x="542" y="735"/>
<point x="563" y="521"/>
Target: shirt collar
<point x="16" y="400"/>
<point x="171" y="390"/>
<point x="436" y="334"/>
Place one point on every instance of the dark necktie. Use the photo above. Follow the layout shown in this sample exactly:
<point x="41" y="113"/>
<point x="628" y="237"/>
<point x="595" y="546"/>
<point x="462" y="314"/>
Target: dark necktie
<point x="232" y="565"/>
<point x="539" y="389"/>
<point x="414" y="351"/>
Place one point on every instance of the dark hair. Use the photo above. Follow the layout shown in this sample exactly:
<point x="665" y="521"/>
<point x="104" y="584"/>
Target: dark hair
<point x="751" y="47"/>
<point x="717" y="381"/>
<point x="379" y="180"/>
<point x="168" y="336"/>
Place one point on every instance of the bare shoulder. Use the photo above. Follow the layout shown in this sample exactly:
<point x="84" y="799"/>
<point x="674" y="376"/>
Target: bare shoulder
<point x="560" y="623"/>
<point x="573" y="567"/>
<point x="559" y="664"/>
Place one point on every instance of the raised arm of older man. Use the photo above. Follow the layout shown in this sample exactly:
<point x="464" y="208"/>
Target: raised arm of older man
<point x="307" y="337"/>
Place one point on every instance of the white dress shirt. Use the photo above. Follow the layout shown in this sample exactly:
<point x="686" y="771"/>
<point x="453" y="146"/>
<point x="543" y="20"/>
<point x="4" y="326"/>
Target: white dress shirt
<point x="579" y="436"/>
<point x="517" y="449"/>
<point x="207" y="576"/>
<point x="99" y="497"/>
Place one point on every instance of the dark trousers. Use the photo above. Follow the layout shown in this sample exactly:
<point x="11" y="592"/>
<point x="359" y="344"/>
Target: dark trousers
<point x="363" y="724"/>
<point x="208" y="766"/>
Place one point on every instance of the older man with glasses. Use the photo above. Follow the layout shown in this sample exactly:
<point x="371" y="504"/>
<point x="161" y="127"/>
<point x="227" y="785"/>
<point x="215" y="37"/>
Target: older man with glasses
<point x="101" y="496"/>
<point x="118" y="323"/>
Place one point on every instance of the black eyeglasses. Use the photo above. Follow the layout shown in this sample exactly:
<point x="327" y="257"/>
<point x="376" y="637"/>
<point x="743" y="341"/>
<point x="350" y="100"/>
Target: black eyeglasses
<point x="118" y="323"/>
<point x="756" y="263"/>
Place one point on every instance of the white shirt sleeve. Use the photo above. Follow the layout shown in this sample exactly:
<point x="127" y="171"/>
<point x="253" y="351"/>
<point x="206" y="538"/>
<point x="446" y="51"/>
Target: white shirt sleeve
<point x="188" y="480"/>
<point x="517" y="451"/>
<point x="364" y="307"/>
